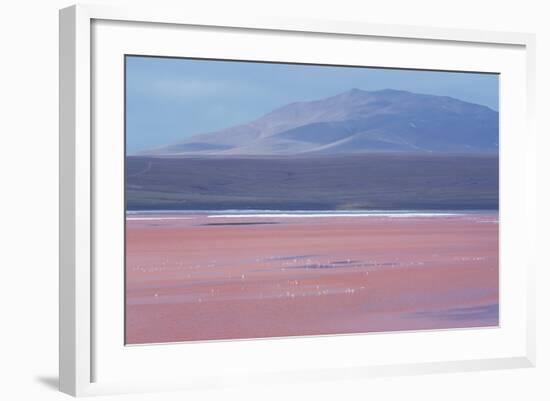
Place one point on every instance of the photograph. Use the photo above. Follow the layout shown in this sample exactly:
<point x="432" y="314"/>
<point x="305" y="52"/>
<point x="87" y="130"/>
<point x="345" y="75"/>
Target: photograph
<point x="270" y="199"/>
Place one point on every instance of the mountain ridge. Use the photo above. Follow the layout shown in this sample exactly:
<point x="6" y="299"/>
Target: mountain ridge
<point x="355" y="121"/>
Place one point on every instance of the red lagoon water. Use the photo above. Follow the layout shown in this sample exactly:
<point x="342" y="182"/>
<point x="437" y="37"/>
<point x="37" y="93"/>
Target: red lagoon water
<point x="200" y="277"/>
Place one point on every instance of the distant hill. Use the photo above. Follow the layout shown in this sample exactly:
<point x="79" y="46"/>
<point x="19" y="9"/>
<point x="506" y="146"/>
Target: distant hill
<point x="354" y="122"/>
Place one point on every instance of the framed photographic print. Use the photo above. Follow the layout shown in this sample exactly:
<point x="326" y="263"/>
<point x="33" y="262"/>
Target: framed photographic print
<point x="275" y="200"/>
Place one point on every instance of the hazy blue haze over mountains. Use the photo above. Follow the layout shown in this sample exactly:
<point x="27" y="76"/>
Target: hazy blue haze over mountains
<point x="355" y="122"/>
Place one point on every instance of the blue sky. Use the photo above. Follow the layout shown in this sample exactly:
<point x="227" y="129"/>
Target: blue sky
<point x="169" y="99"/>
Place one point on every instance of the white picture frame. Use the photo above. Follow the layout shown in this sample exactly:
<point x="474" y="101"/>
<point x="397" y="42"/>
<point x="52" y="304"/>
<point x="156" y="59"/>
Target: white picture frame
<point x="79" y="345"/>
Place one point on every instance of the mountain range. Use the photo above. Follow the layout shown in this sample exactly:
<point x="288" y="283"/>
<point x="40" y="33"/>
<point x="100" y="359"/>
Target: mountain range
<point x="354" y="122"/>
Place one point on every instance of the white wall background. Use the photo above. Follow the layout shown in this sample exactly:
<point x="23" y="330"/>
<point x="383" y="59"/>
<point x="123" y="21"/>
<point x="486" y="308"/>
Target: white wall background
<point x="28" y="197"/>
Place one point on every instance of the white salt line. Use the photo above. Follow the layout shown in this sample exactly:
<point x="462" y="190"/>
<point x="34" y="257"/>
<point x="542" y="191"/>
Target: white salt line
<point x="158" y="218"/>
<point x="237" y="216"/>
